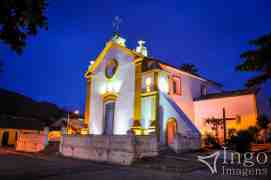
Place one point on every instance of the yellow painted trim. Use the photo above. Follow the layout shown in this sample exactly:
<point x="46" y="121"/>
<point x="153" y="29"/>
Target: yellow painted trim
<point x="110" y="44"/>
<point x="137" y="96"/>
<point x="152" y="93"/>
<point x="152" y="71"/>
<point x="156" y="78"/>
<point x="138" y="60"/>
<point x="87" y="106"/>
<point x="109" y="96"/>
<point x="100" y="58"/>
<point x="126" y="50"/>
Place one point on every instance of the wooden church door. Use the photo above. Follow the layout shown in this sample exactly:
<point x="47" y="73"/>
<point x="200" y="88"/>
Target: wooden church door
<point x="109" y="112"/>
<point x="171" y="130"/>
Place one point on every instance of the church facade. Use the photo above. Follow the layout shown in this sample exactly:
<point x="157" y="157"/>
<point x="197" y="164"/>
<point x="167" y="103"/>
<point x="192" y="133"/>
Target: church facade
<point x="130" y="92"/>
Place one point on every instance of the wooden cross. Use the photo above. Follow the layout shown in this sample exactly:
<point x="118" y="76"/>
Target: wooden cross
<point x="221" y="121"/>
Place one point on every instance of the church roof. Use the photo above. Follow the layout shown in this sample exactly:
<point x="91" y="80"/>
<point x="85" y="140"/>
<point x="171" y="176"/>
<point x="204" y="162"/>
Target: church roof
<point x="226" y="94"/>
<point x="155" y="64"/>
<point x="149" y="63"/>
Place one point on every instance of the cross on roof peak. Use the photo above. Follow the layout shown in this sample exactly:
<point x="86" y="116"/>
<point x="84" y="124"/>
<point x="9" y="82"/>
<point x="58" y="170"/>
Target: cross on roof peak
<point x="116" y="24"/>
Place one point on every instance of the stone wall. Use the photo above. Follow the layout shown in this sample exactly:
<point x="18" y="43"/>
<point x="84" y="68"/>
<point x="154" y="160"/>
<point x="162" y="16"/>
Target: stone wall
<point x="186" y="143"/>
<point x="119" y="149"/>
<point x="31" y="142"/>
<point x="146" y="146"/>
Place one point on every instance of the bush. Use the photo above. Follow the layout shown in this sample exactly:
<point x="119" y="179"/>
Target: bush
<point x="242" y="141"/>
<point x="252" y="130"/>
<point x="262" y="121"/>
<point x="211" y="141"/>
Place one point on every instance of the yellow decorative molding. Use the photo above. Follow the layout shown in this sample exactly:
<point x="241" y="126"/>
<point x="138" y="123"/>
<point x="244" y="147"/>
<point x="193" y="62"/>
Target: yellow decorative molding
<point x="87" y="106"/>
<point x="100" y="58"/>
<point x="157" y="97"/>
<point x="126" y="50"/>
<point x="138" y="60"/>
<point x="152" y="93"/>
<point x="109" y="96"/>
<point x="152" y="71"/>
<point x="110" y="44"/>
<point x="137" y="96"/>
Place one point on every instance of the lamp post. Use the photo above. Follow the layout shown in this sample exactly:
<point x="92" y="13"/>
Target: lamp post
<point x="68" y="121"/>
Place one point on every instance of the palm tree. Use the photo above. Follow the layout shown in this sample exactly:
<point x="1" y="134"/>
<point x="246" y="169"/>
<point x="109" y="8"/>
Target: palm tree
<point x="190" y="68"/>
<point x="258" y="60"/>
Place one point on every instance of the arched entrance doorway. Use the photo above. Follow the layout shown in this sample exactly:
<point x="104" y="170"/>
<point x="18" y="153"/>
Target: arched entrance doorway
<point x="5" y="138"/>
<point x="171" y="130"/>
<point x="109" y="112"/>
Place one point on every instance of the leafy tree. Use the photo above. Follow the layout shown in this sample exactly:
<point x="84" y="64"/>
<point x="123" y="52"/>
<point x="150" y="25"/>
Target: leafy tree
<point x="258" y="60"/>
<point x="242" y="141"/>
<point x="190" y="68"/>
<point x="211" y="141"/>
<point x="20" y="19"/>
<point x="262" y="121"/>
<point x="215" y="124"/>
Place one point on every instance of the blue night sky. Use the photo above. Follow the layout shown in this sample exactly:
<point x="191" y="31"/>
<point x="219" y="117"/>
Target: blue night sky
<point x="210" y="34"/>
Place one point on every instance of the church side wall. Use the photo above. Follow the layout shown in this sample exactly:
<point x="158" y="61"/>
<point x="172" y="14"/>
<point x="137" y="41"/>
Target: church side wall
<point x="190" y="88"/>
<point x="243" y="106"/>
<point x="167" y="111"/>
<point x="124" y="107"/>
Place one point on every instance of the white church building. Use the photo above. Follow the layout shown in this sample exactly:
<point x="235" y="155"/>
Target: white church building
<point x="130" y="92"/>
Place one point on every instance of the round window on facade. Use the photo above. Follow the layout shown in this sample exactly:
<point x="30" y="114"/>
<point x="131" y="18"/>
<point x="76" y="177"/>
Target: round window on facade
<point x="111" y="68"/>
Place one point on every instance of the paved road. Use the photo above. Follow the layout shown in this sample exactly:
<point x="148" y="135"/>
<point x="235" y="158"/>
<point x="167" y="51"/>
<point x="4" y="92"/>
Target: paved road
<point x="32" y="167"/>
<point x="29" y="168"/>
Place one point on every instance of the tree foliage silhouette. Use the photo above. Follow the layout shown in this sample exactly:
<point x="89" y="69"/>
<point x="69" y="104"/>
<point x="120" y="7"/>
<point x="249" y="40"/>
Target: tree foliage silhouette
<point x="190" y="68"/>
<point x="20" y="19"/>
<point x="258" y="60"/>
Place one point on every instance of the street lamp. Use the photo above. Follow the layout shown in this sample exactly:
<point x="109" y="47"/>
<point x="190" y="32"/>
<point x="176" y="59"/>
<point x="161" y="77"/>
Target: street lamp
<point x="68" y="121"/>
<point x="76" y="112"/>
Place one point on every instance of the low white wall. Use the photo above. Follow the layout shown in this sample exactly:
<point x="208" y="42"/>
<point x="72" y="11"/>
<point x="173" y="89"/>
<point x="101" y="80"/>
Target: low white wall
<point x="31" y="142"/>
<point x="119" y="149"/>
<point x="185" y="143"/>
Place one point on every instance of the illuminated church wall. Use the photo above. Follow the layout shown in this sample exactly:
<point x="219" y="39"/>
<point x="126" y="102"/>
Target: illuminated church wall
<point x="169" y="109"/>
<point x="243" y="106"/>
<point x="124" y="78"/>
<point x="190" y="89"/>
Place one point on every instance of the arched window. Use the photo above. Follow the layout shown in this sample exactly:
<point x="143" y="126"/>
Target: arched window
<point x="176" y="86"/>
<point x="111" y="68"/>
